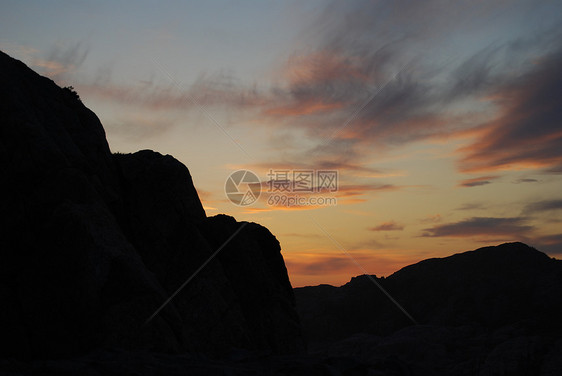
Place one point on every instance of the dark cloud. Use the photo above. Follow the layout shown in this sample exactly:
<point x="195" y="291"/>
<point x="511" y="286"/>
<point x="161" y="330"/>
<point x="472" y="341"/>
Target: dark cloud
<point x="371" y="79"/>
<point x="388" y="226"/>
<point x="470" y="183"/>
<point x="512" y="228"/>
<point x="73" y="55"/>
<point x="551" y="244"/>
<point x="372" y="72"/>
<point x="475" y="182"/>
<point x="528" y="132"/>
<point x="542" y="206"/>
<point x="62" y="60"/>
<point x="526" y="180"/>
<point x="475" y="75"/>
<point x="472" y="206"/>
<point x="555" y="170"/>
<point x="366" y="73"/>
<point x="208" y="91"/>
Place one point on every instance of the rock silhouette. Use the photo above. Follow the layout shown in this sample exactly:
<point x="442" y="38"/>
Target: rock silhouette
<point x="492" y="311"/>
<point x="93" y="243"/>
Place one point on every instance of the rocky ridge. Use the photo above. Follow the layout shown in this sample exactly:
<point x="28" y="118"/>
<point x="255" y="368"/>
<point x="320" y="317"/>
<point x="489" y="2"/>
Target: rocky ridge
<point x="93" y="243"/>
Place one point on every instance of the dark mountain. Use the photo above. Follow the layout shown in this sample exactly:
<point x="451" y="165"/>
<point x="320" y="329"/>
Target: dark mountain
<point x="93" y="243"/>
<point x="491" y="286"/>
<point x="495" y="310"/>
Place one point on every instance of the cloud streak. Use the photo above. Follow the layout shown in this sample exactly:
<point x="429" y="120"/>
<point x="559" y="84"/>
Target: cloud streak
<point x="542" y="206"/>
<point x="508" y="228"/>
<point x="551" y="244"/>
<point x="387" y="226"/>
<point x="528" y="131"/>
<point x="476" y="182"/>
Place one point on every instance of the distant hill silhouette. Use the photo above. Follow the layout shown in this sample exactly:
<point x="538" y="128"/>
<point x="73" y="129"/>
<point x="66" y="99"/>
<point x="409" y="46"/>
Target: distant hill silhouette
<point x="93" y="243"/>
<point x="495" y="308"/>
<point x="491" y="286"/>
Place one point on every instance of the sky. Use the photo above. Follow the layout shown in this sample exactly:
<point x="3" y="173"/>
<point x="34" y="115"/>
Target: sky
<point x="381" y="133"/>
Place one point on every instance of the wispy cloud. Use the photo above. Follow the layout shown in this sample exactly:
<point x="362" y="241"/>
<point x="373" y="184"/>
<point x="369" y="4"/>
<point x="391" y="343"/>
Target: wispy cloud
<point x="472" y="206"/>
<point x="432" y="218"/>
<point x="208" y="91"/>
<point x="475" y="182"/>
<point x="542" y="206"/>
<point x="387" y="226"/>
<point x="526" y="180"/>
<point x="19" y="51"/>
<point x="551" y="244"/>
<point x="318" y="164"/>
<point x="361" y="189"/>
<point x="57" y="63"/>
<point x="508" y="228"/>
<point x="338" y="77"/>
<point x="528" y="131"/>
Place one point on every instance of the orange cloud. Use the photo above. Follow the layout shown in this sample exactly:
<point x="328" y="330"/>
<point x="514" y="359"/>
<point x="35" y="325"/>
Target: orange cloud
<point x="303" y="108"/>
<point x="360" y="189"/>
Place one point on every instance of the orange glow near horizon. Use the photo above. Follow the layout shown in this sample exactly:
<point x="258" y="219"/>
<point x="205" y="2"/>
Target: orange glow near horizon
<point x="306" y="268"/>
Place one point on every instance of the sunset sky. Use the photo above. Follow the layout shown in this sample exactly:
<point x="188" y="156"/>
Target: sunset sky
<point x="443" y="119"/>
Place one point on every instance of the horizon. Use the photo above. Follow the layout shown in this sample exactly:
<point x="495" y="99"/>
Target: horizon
<point x="441" y="121"/>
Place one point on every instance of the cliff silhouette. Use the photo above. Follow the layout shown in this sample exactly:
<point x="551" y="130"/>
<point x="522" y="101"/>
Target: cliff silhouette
<point x="92" y="244"/>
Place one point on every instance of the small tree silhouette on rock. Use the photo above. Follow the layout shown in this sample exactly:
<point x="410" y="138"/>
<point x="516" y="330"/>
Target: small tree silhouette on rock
<point x="70" y="90"/>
